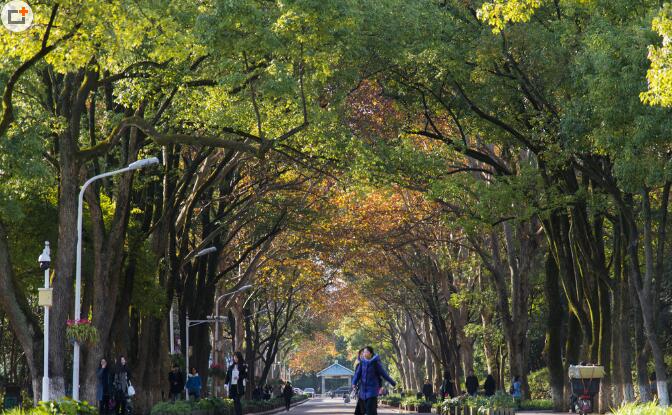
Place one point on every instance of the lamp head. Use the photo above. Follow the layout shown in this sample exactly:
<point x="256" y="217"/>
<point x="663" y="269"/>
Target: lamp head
<point x="143" y="163"/>
<point x="45" y="259"/>
<point x="206" y="251"/>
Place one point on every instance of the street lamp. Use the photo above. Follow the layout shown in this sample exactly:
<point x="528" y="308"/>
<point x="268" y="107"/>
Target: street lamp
<point x="191" y="323"/>
<point x="243" y="288"/>
<point x="171" y="321"/>
<point x="45" y="300"/>
<point x="78" y="267"/>
<point x="206" y="251"/>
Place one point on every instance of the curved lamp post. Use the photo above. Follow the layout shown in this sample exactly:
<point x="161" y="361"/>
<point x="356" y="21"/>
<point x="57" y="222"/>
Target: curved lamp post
<point x="78" y="267"/>
<point x="191" y="323"/>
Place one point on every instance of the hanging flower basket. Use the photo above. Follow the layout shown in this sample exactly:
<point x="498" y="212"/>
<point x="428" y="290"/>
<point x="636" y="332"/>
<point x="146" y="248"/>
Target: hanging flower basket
<point x="217" y="371"/>
<point x="82" y="332"/>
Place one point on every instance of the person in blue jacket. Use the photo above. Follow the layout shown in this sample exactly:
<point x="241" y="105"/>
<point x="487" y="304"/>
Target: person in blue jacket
<point x="194" y="383"/>
<point x="369" y="376"/>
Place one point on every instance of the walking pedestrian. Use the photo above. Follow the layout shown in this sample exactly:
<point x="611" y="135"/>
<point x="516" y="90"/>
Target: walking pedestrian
<point x="490" y="385"/>
<point x="176" y="381"/>
<point x="235" y="376"/>
<point x="471" y="383"/>
<point x="446" y="389"/>
<point x="103" y="394"/>
<point x="368" y="375"/>
<point x="194" y="384"/>
<point x="427" y="390"/>
<point x="517" y="390"/>
<point x="287" y="394"/>
<point x="122" y="378"/>
<point x="359" y="404"/>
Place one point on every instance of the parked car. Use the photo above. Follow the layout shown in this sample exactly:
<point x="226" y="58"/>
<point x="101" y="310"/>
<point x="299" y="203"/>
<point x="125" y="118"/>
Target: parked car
<point x="339" y="392"/>
<point x="310" y="392"/>
<point x="298" y="391"/>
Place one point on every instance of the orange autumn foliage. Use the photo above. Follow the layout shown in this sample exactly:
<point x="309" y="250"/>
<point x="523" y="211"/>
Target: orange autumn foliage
<point x="313" y="354"/>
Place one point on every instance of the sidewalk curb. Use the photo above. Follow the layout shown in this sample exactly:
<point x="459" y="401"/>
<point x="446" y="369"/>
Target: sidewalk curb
<point x="278" y="410"/>
<point x="396" y="408"/>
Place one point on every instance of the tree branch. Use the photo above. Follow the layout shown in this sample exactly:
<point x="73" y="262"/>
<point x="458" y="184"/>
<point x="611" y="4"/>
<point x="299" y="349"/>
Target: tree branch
<point x="7" y="106"/>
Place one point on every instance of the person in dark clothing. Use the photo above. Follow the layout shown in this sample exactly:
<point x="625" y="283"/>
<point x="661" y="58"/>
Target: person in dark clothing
<point x="369" y="373"/>
<point x="103" y="388"/>
<point x="235" y="376"/>
<point x="447" y="390"/>
<point x="176" y="381"/>
<point x="122" y="379"/>
<point x="472" y="383"/>
<point x="257" y="393"/>
<point x="653" y="387"/>
<point x="427" y="390"/>
<point x="490" y="385"/>
<point x="287" y="394"/>
<point x="359" y="404"/>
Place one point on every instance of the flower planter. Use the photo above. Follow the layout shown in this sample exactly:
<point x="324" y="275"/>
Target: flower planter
<point x="424" y="408"/>
<point x="82" y="332"/>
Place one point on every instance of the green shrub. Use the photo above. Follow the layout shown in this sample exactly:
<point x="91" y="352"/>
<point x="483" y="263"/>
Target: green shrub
<point x="391" y="400"/>
<point x="502" y="400"/>
<point x="414" y="401"/>
<point x="537" y="404"/>
<point x="18" y="411"/>
<point x="649" y="408"/>
<point x="481" y="403"/>
<point x="65" y="407"/>
<point x="540" y="386"/>
<point x="218" y="405"/>
<point x="177" y="407"/>
<point x="62" y="407"/>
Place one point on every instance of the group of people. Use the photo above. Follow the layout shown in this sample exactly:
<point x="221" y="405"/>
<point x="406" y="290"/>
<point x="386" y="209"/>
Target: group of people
<point x="235" y="381"/>
<point x="472" y="385"/>
<point x="177" y="383"/>
<point x="112" y="389"/>
<point x="278" y="390"/>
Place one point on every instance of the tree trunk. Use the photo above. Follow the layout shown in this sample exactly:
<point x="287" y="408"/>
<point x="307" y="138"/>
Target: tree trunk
<point x="23" y="323"/>
<point x="553" y="348"/>
<point x="150" y="373"/>
<point x="622" y="348"/>
<point x="644" y="287"/>
<point x="64" y="266"/>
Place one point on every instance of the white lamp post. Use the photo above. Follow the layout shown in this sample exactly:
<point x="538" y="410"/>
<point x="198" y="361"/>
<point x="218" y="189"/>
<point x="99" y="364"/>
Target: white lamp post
<point x="171" y="321"/>
<point x="78" y="267"/>
<point x="191" y="323"/>
<point x="45" y="301"/>
<point x="243" y="288"/>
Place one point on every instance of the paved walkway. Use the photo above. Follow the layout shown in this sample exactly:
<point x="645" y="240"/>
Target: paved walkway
<point x="331" y="407"/>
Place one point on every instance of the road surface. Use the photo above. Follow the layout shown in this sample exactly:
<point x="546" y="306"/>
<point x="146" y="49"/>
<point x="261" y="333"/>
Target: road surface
<point x="331" y="407"/>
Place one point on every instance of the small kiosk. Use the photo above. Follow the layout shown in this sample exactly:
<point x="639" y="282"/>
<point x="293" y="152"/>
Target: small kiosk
<point x="335" y="371"/>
